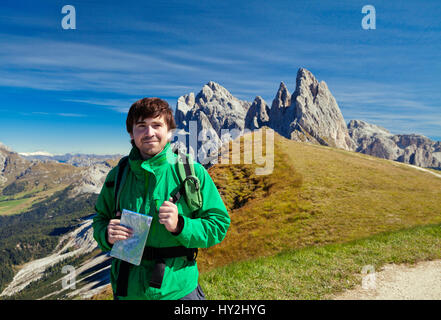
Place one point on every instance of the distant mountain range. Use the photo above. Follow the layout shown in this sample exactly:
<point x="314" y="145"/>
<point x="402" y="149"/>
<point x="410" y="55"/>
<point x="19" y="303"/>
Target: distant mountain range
<point x="77" y="159"/>
<point x="35" y="172"/>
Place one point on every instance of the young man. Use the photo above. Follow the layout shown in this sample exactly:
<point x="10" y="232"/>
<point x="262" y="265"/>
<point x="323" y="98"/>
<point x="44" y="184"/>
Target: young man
<point x="168" y="271"/>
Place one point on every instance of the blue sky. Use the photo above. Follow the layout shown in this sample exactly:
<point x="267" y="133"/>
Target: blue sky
<point x="69" y="90"/>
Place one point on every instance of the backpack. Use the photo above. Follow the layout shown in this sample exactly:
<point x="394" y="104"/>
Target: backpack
<point x="189" y="187"/>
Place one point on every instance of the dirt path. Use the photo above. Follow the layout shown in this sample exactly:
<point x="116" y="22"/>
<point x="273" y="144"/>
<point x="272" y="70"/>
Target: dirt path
<point x="400" y="282"/>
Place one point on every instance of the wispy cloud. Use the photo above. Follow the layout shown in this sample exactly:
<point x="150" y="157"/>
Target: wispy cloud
<point x="74" y="115"/>
<point x="119" y="105"/>
<point x="59" y="114"/>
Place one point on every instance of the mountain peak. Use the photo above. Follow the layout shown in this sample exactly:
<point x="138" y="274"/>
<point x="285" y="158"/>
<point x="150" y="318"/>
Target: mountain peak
<point x="318" y="118"/>
<point x="5" y="147"/>
<point x="257" y="115"/>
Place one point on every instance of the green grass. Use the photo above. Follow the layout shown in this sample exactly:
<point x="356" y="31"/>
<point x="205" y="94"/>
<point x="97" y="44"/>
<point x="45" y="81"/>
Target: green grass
<point x="320" y="272"/>
<point x="21" y="202"/>
<point x="8" y="205"/>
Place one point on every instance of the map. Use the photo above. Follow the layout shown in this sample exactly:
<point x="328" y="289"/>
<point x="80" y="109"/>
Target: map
<point x="131" y="250"/>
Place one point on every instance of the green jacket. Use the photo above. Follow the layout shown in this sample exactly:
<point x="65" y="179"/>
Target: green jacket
<point x="148" y="184"/>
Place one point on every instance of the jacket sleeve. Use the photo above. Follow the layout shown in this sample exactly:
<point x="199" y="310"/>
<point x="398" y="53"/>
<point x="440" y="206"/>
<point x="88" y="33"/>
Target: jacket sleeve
<point x="104" y="211"/>
<point x="210" y="223"/>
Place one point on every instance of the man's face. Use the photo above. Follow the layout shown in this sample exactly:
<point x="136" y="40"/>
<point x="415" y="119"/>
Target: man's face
<point x="150" y="136"/>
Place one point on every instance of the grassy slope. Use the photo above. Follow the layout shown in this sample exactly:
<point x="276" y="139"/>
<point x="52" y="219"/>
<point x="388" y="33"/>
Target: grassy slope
<point x="320" y="195"/>
<point x="23" y="201"/>
<point x="41" y="181"/>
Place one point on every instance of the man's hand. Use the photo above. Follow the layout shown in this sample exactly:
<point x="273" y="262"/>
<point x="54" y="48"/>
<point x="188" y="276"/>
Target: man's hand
<point x="116" y="232"/>
<point x="168" y="215"/>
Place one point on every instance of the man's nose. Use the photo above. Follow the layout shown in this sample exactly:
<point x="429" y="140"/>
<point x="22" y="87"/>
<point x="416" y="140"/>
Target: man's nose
<point x="149" y="131"/>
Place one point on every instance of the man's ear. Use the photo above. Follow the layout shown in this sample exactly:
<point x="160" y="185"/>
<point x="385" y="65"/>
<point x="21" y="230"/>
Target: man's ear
<point x="169" y="134"/>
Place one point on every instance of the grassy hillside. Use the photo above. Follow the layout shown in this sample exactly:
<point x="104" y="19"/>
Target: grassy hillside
<point x="318" y="195"/>
<point x="30" y="183"/>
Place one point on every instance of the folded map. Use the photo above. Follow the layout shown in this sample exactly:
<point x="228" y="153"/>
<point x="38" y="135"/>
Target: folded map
<point x="131" y="250"/>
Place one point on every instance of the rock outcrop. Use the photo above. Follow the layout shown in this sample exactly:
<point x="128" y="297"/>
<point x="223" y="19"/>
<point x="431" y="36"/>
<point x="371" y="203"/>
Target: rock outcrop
<point x="91" y="180"/>
<point x="313" y="114"/>
<point x="212" y="110"/>
<point x="217" y="104"/>
<point x="281" y="113"/>
<point x="408" y="148"/>
<point x="257" y="115"/>
<point x="11" y="165"/>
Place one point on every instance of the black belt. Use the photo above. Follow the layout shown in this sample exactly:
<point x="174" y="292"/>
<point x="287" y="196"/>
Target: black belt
<point x="157" y="254"/>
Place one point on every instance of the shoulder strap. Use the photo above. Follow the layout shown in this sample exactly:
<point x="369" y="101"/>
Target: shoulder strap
<point x="190" y="185"/>
<point x="122" y="165"/>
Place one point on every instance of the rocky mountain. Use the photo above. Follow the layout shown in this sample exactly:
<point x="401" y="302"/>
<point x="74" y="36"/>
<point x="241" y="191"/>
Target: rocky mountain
<point x="11" y="165"/>
<point x="281" y="114"/>
<point x="309" y="114"/>
<point x="77" y="160"/>
<point x="26" y="173"/>
<point x="91" y="179"/>
<point x="257" y="115"/>
<point x="202" y="118"/>
<point x="317" y="117"/>
<point x="408" y="148"/>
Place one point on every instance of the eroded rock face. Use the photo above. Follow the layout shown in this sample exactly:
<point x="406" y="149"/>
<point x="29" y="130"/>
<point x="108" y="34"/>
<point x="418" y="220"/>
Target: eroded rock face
<point x="91" y="179"/>
<point x="310" y="114"/>
<point x="281" y="113"/>
<point x="408" y="148"/>
<point x="204" y="117"/>
<point x="317" y="116"/>
<point x="257" y="115"/>
<point x="220" y="107"/>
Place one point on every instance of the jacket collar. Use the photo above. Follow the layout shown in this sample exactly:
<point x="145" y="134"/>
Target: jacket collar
<point x="160" y="160"/>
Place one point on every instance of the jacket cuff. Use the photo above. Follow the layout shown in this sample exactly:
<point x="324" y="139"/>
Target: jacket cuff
<point x="184" y="236"/>
<point x="180" y="226"/>
<point x="104" y="244"/>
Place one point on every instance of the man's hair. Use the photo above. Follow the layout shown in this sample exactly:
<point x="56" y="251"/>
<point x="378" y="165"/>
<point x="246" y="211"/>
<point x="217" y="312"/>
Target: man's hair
<point x="150" y="108"/>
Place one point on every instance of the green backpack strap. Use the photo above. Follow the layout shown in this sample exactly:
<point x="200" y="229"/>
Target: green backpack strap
<point x="190" y="184"/>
